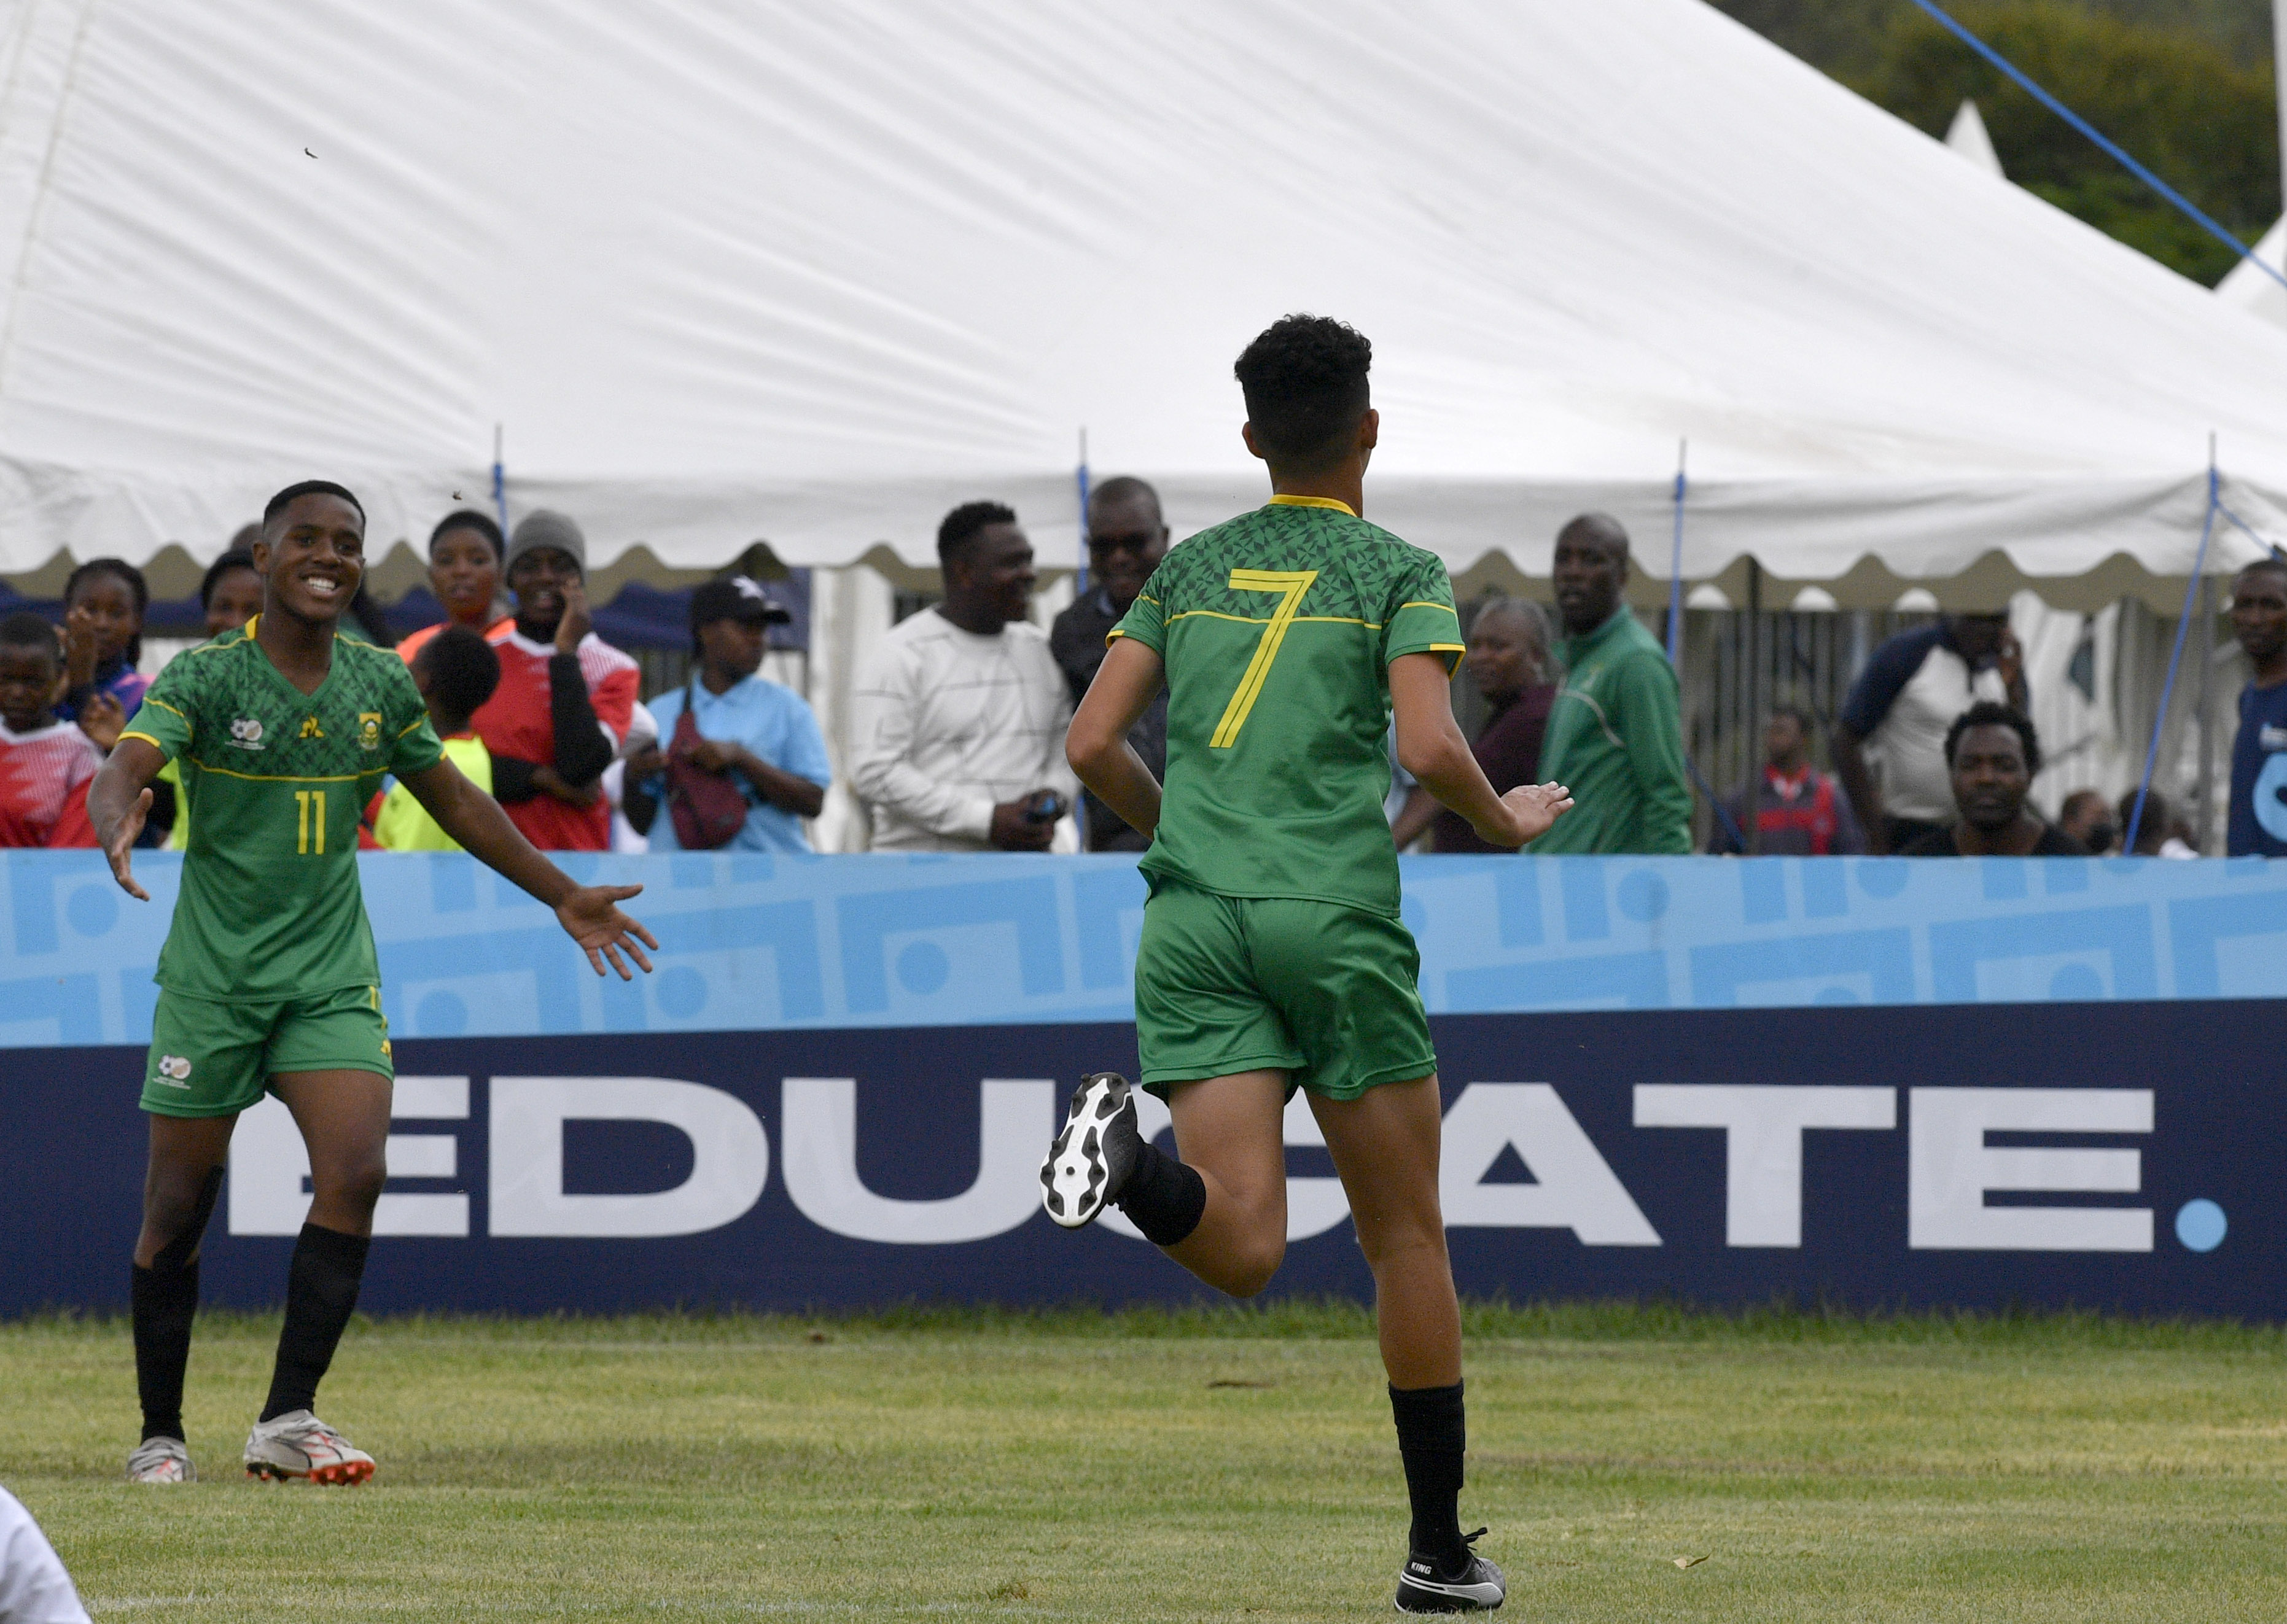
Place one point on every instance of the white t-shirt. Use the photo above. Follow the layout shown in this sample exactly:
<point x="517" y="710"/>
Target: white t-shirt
<point x="34" y="1587"/>
<point x="1902" y="705"/>
<point x="946" y="724"/>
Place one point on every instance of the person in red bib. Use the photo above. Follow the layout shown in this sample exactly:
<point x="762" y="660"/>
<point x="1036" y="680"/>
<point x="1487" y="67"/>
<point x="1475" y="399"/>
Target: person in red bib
<point x="565" y="696"/>
<point x="1803" y="811"/>
<point x="464" y="574"/>
<point x="45" y="765"/>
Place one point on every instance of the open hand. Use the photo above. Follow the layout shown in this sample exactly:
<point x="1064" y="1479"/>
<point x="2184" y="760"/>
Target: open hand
<point x="590" y="916"/>
<point x="79" y="646"/>
<point x="119" y="848"/>
<point x="103" y="719"/>
<point x="1534" y="807"/>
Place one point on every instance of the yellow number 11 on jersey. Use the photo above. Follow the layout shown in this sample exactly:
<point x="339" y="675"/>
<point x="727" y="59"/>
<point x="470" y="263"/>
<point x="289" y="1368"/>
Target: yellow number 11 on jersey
<point x="306" y="802"/>
<point x="1292" y="583"/>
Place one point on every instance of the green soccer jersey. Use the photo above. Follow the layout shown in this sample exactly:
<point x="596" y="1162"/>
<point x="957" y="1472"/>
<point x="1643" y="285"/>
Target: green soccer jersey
<point x="1277" y="629"/>
<point x="270" y="907"/>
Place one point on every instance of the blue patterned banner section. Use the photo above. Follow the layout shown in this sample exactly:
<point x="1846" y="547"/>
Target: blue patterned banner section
<point x="756" y="943"/>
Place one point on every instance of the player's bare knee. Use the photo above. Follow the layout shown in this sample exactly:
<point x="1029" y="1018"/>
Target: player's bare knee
<point x="353" y="1184"/>
<point x="1254" y="1265"/>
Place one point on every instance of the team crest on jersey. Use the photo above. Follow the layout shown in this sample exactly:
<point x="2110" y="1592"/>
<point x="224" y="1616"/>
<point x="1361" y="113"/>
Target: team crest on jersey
<point x="246" y="733"/>
<point x="368" y="729"/>
<point x="311" y="730"/>
<point x="174" y="1068"/>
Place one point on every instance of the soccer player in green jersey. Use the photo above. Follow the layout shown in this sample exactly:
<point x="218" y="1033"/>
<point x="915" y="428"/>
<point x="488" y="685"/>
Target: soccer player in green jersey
<point x="268" y="981"/>
<point x="1272" y="956"/>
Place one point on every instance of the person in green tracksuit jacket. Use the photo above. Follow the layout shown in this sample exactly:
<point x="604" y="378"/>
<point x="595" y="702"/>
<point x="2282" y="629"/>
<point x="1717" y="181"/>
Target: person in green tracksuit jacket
<point x="1615" y="735"/>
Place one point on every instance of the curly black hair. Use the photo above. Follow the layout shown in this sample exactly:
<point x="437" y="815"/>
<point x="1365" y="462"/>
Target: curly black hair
<point x="237" y="558"/>
<point x="278" y="504"/>
<point x="463" y="670"/>
<point x="139" y="589"/>
<point x="962" y="523"/>
<point x="1989" y="713"/>
<point x="467" y="518"/>
<point x="1304" y="378"/>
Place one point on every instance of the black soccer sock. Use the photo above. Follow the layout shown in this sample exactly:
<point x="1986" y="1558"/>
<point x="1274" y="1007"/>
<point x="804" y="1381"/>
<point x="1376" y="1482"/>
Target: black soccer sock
<point x="321" y="1288"/>
<point x="165" y="1301"/>
<point x="1163" y="1198"/>
<point x="1432" y="1436"/>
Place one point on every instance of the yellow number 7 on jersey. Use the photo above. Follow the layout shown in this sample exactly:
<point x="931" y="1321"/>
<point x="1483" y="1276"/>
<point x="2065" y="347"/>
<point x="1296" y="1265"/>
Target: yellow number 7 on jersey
<point x="1292" y="583"/>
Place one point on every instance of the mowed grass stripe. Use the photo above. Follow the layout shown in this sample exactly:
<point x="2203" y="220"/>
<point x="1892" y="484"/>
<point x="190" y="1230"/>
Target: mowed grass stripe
<point x="1190" y="1465"/>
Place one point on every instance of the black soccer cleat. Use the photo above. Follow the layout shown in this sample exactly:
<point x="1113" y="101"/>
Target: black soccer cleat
<point x="1476" y="1586"/>
<point x="1089" y="1163"/>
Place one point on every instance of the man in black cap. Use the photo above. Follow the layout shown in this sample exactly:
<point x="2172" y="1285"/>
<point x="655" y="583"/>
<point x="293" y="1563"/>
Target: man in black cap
<point x="758" y="734"/>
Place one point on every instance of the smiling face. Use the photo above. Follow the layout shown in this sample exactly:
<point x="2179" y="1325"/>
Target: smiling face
<point x="464" y="573"/>
<point x="993" y="572"/>
<point x="311" y="557"/>
<point x="1990" y="778"/>
<point x="1126" y="540"/>
<point x="107" y="605"/>
<point x="27" y="685"/>
<point x="236" y="599"/>
<point x="539" y="578"/>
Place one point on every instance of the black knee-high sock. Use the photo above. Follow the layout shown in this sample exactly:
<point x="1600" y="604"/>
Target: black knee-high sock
<point x="164" y="1299"/>
<point x="321" y="1288"/>
<point x="1163" y="1198"/>
<point x="1431" y="1437"/>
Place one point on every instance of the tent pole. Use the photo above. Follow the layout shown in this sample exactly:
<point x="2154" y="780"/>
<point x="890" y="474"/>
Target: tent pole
<point x="1080" y="476"/>
<point x="1756" y="659"/>
<point x="1675" y="557"/>
<point x="500" y="485"/>
<point x="2175" y="656"/>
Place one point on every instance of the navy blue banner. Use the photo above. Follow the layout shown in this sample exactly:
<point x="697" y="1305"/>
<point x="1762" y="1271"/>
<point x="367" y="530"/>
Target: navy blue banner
<point x="2116" y="1155"/>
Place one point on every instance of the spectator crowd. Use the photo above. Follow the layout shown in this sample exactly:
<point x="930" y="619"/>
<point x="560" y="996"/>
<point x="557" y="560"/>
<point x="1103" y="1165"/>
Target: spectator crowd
<point x="958" y="720"/>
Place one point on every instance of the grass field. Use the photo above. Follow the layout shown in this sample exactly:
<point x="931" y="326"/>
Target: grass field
<point x="1183" y="1466"/>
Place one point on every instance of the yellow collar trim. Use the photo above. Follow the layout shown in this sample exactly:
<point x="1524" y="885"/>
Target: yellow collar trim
<point x="1313" y="502"/>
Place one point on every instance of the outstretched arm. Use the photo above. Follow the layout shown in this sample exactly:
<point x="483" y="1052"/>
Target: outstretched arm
<point x="119" y="801"/>
<point x="1097" y="744"/>
<point x="1430" y="746"/>
<point x="590" y="914"/>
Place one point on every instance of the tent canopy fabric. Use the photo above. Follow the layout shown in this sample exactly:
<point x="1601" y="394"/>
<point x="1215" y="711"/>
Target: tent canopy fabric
<point x="812" y="275"/>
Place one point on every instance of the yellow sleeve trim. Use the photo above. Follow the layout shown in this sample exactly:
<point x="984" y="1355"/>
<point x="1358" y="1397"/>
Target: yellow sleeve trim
<point x="163" y="705"/>
<point x="156" y="745"/>
<point x="1456" y="648"/>
<point x="1424" y="604"/>
<point x="1313" y="502"/>
<point x="415" y="725"/>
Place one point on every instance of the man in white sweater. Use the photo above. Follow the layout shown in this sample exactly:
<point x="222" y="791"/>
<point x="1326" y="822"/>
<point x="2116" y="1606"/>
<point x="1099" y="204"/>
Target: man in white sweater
<point x="958" y="723"/>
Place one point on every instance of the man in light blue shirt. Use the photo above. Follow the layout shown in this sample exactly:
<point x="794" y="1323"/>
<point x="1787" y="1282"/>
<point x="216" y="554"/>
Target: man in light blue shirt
<point x="758" y="734"/>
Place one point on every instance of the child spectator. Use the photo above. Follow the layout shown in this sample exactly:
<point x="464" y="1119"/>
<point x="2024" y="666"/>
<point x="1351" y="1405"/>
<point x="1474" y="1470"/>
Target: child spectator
<point x="457" y="671"/>
<point x="45" y="764"/>
<point x="464" y="576"/>
<point x="231" y="595"/>
<point x="104" y="601"/>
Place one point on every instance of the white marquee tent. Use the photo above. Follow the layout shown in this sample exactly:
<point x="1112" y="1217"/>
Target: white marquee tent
<point x="812" y="274"/>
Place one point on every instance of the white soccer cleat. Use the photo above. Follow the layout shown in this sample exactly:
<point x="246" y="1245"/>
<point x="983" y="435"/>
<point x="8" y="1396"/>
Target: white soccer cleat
<point x="299" y="1444"/>
<point x="161" y="1459"/>
<point x="1093" y="1155"/>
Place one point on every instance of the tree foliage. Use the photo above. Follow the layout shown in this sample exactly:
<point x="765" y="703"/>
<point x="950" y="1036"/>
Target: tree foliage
<point x="2184" y="86"/>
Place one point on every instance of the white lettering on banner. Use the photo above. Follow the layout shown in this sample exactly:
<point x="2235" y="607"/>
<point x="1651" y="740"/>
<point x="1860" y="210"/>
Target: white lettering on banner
<point x="1950" y="1167"/>
<point x="270" y="1166"/>
<point x="1574" y="1188"/>
<point x="819" y="1128"/>
<point x="730" y="1156"/>
<point x="1763" y="1129"/>
<point x="1314" y="1205"/>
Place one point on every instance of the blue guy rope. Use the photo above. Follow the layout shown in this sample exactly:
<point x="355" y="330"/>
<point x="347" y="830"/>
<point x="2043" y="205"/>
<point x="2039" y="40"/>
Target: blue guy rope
<point x="1675" y="566"/>
<point x="2253" y="534"/>
<point x="2112" y="148"/>
<point x="2168" y="687"/>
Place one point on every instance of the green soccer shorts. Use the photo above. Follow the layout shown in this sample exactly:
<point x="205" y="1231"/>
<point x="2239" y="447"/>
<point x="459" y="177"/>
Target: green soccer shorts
<point x="1323" y="992"/>
<point x="209" y="1058"/>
